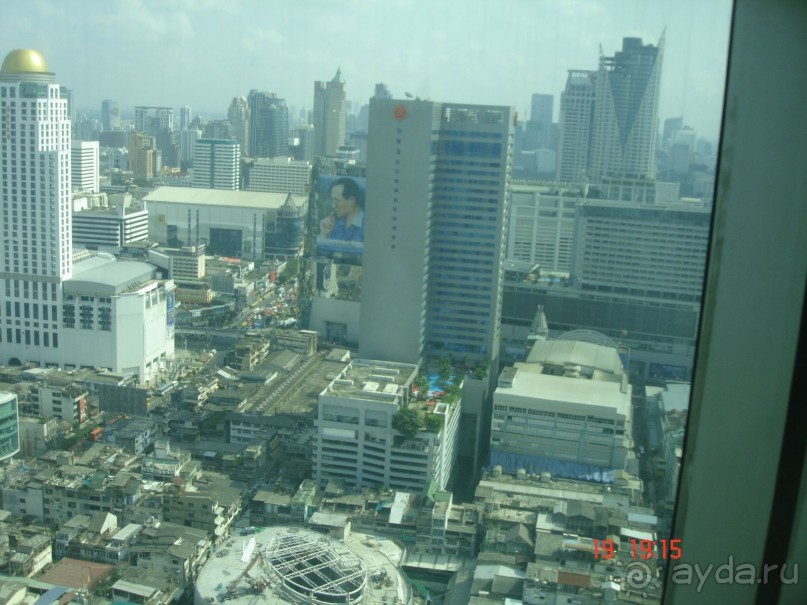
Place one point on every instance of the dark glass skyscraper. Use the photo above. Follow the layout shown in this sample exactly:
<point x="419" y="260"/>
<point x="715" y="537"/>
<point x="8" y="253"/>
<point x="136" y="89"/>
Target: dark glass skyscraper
<point x="268" y="124"/>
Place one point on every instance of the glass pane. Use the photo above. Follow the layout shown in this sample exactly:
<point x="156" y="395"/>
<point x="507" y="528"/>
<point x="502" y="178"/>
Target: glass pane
<point x="500" y="210"/>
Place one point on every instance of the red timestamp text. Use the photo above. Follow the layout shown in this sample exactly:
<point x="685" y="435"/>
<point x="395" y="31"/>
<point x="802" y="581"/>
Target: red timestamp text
<point x="640" y="549"/>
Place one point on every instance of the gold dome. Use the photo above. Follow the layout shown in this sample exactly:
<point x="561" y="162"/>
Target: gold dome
<point x="24" y="61"/>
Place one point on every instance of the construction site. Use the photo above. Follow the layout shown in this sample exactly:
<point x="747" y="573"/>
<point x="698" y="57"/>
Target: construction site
<point x="290" y="565"/>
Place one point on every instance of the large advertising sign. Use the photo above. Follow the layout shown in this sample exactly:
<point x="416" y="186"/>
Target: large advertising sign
<point x="170" y="314"/>
<point x="340" y="216"/>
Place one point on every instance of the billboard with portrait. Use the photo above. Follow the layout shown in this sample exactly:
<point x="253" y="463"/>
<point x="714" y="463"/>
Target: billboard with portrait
<point x="340" y="217"/>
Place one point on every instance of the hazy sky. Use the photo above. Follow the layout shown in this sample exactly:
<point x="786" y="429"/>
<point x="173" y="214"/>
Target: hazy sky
<point x="203" y="52"/>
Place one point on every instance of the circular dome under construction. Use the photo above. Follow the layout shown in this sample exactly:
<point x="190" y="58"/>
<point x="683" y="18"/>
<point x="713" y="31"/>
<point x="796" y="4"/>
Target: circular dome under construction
<point x="296" y="565"/>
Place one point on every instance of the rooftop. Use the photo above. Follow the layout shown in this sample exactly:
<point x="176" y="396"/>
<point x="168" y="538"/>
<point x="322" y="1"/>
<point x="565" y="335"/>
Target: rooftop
<point x="586" y="395"/>
<point x="220" y="197"/>
<point x="102" y="275"/>
<point x="281" y="565"/>
<point x="374" y="380"/>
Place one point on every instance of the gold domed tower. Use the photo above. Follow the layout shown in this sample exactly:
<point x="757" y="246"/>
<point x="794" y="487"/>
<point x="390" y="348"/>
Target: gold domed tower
<point x="25" y="65"/>
<point x="24" y="60"/>
<point x="35" y="169"/>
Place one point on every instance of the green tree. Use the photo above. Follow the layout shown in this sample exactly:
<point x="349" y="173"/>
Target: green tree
<point x="433" y="423"/>
<point x="407" y="422"/>
<point x="444" y="372"/>
<point x="289" y="270"/>
<point x="481" y="370"/>
<point x="422" y="384"/>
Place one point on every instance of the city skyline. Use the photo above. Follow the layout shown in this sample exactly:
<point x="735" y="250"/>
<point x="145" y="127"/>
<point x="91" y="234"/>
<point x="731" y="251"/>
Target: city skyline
<point x="516" y="52"/>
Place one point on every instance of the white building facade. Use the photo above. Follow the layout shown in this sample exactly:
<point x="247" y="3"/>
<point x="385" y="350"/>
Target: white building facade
<point x="356" y="442"/>
<point x="542" y="225"/>
<point x="566" y="410"/>
<point x="84" y="163"/>
<point x="120" y="316"/>
<point x="280" y="175"/>
<point x="435" y="229"/>
<point x="36" y="255"/>
<point x="654" y="252"/>
<point x="217" y="164"/>
<point x="242" y="224"/>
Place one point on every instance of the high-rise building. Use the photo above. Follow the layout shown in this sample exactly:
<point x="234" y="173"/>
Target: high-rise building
<point x="185" y="117"/>
<point x="576" y="114"/>
<point x="216" y="164"/>
<point x="36" y="253"/>
<point x="382" y="92"/>
<point x="238" y="116"/>
<point x="141" y="155"/>
<point x="84" y="167"/>
<point x="268" y="124"/>
<point x="278" y="175"/>
<point x="330" y="115"/>
<point x="110" y="115"/>
<point x="9" y="425"/>
<point x="623" y="134"/>
<point x="303" y="146"/>
<point x="651" y="251"/>
<point x="357" y="441"/>
<point x="53" y="311"/>
<point x="540" y="123"/>
<point x="435" y="229"/>
<point x="187" y="140"/>
<point x="541" y="228"/>
<point x="153" y="121"/>
<point x="158" y="122"/>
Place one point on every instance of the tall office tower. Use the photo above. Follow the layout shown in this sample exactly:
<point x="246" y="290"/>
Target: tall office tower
<point x="185" y="117"/>
<point x="623" y="134"/>
<point x="268" y="124"/>
<point x="110" y="115"/>
<point x="330" y="115"/>
<point x="671" y="127"/>
<point x="382" y="92"/>
<point x="72" y="110"/>
<point x="153" y="121"/>
<point x="36" y="256"/>
<point x="576" y="114"/>
<point x="303" y="146"/>
<point x="187" y="140"/>
<point x="238" y="116"/>
<point x="435" y="229"/>
<point x="540" y="123"/>
<point x="158" y="122"/>
<point x="141" y="155"/>
<point x="84" y="168"/>
<point x="218" y="129"/>
<point x="216" y="164"/>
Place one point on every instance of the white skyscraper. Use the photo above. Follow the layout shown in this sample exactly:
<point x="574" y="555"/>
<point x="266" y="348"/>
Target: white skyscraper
<point x="97" y="312"/>
<point x="435" y="224"/>
<point x="216" y="164"/>
<point x="84" y="166"/>
<point x="576" y="114"/>
<point x="36" y="256"/>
